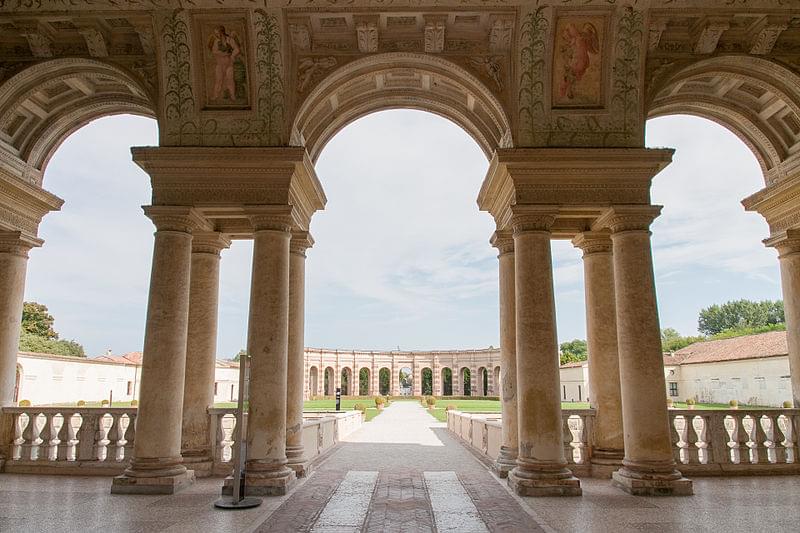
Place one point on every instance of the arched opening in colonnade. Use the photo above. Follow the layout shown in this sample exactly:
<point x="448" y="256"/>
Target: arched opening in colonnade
<point x="447" y="382"/>
<point x="313" y="381"/>
<point x="427" y="381"/>
<point x="405" y="380"/>
<point x="346" y="381"/>
<point x="384" y="378"/>
<point x="465" y="381"/>
<point x="364" y="382"/>
<point x="483" y="382"/>
<point x="330" y="381"/>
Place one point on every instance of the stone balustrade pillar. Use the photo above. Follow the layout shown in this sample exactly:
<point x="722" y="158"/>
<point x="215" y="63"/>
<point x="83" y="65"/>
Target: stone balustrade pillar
<point x="157" y="466"/>
<point x="295" y="452"/>
<point x="541" y="467"/>
<point x="601" y="330"/>
<point x="201" y="351"/>
<point x="14" y="248"/>
<point x="507" y="459"/>
<point x="788" y="247"/>
<point x="648" y="467"/>
<point x="267" y="344"/>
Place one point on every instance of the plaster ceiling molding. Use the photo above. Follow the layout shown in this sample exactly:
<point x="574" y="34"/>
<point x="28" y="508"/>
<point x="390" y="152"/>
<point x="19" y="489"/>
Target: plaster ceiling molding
<point x="43" y="104"/>
<point x="400" y="80"/>
<point x="709" y="34"/>
<point x="757" y="99"/>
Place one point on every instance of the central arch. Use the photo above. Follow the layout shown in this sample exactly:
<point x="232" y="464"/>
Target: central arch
<point x="401" y="80"/>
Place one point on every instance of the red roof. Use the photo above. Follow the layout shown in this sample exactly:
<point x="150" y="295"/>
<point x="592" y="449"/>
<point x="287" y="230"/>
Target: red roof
<point x="770" y="344"/>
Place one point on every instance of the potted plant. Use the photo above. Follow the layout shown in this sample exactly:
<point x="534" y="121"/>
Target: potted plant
<point x="690" y="403"/>
<point x="379" y="401"/>
<point x="734" y="404"/>
<point x="431" y="401"/>
<point x="788" y="404"/>
<point x="670" y="403"/>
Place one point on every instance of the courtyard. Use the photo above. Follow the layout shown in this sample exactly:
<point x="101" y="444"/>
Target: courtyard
<point x="401" y="472"/>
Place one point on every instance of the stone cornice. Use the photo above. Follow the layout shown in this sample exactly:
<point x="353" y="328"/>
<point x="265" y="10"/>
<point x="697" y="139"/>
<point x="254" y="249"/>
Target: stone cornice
<point x="181" y="219"/>
<point x="270" y="217"/>
<point x="593" y="242"/>
<point x="209" y="242"/>
<point x="786" y="242"/>
<point x="779" y="204"/>
<point x="621" y="218"/>
<point x="16" y="243"/>
<point x="503" y="240"/>
<point x="301" y="241"/>
<point x="222" y="182"/>
<point x="23" y="205"/>
<point x="530" y="218"/>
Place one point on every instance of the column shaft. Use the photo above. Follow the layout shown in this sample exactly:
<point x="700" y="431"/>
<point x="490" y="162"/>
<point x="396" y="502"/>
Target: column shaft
<point x="507" y="458"/>
<point x="201" y="351"/>
<point x="267" y="344"/>
<point x="295" y="452"/>
<point x="790" y="285"/>
<point x="156" y="466"/>
<point x="541" y="467"/>
<point x="648" y="466"/>
<point x="601" y="330"/>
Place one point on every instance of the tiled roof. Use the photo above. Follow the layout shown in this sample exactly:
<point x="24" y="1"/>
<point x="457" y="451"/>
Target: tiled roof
<point x="770" y="344"/>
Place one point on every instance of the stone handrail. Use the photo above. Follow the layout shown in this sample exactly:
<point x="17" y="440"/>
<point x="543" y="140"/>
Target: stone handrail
<point x="716" y="442"/>
<point x="71" y="440"/>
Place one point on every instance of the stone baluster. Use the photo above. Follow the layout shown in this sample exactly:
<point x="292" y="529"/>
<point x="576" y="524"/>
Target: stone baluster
<point x="114" y="439"/>
<point x="231" y="438"/>
<point x="89" y="433"/>
<point x="741" y="438"/>
<point x="220" y="440"/>
<point x="692" y="441"/>
<point x="778" y="438"/>
<point x="129" y="436"/>
<point x="49" y="436"/>
<point x="569" y="450"/>
<point x="719" y="451"/>
<point x="30" y="437"/>
<point x="676" y="435"/>
<point x="705" y="446"/>
<point x="760" y="449"/>
<point x="66" y="438"/>
<point x="580" y="440"/>
<point x="790" y="436"/>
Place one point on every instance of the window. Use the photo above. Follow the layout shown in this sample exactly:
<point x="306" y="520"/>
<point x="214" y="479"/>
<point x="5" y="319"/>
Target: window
<point x="232" y="397"/>
<point x="762" y="383"/>
<point x="130" y="388"/>
<point x="216" y="388"/>
<point x="673" y="388"/>
<point x="564" y="387"/>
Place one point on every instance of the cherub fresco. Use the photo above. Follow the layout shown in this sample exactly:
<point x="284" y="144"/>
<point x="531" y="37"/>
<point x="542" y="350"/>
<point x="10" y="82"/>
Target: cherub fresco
<point x="229" y="74"/>
<point x="578" y="44"/>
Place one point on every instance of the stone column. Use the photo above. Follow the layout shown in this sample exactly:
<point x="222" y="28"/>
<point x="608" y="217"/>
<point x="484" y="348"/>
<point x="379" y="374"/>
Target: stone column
<point x="157" y="466"/>
<point x="601" y="331"/>
<point x="295" y="453"/>
<point x="789" y="256"/>
<point x="201" y="351"/>
<point x="14" y="249"/>
<point x="507" y="459"/>
<point x="267" y="344"/>
<point x="541" y="467"/>
<point x="648" y="467"/>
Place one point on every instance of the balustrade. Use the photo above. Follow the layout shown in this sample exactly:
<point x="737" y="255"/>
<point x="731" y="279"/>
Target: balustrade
<point x="705" y="442"/>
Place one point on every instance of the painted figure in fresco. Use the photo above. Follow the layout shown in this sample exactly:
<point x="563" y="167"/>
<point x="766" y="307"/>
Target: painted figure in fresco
<point x="225" y="48"/>
<point x="576" y="45"/>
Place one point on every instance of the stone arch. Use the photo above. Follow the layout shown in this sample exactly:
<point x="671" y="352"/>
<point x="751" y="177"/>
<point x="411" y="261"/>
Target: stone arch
<point x="364" y="381"/>
<point x="465" y="378"/>
<point x="426" y="381"/>
<point x="43" y="104"/>
<point x="447" y="381"/>
<point x="330" y="381"/>
<point x="496" y="382"/>
<point x="384" y="381"/>
<point x="757" y="99"/>
<point x="483" y="381"/>
<point x="409" y="373"/>
<point x="346" y="381"/>
<point x="400" y="80"/>
<point x="313" y="381"/>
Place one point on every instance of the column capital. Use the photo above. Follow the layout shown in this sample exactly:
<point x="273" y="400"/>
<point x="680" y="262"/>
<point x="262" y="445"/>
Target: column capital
<point x="176" y="218"/>
<point x="16" y="243"/>
<point x="593" y="242"/>
<point x="525" y="218"/>
<point x="787" y="242"/>
<point x="270" y="217"/>
<point x="503" y="240"/>
<point x="209" y="242"/>
<point x="301" y="241"/>
<point x="620" y="218"/>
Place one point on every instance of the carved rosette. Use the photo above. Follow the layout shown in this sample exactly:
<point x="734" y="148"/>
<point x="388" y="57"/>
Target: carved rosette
<point x="628" y="218"/>
<point x="301" y="241"/>
<point x="593" y="242"/>
<point x="503" y="240"/>
<point x="175" y="218"/>
<point x="209" y="242"/>
<point x="532" y="220"/>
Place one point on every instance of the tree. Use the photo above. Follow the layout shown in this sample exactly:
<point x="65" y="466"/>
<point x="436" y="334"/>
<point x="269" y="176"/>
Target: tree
<point x="37" y="320"/>
<point x="672" y="340"/>
<point x="383" y="381"/>
<point x="573" y="351"/>
<point x="740" y="314"/>
<point x="34" y="343"/>
<point x="238" y="356"/>
<point x="363" y="382"/>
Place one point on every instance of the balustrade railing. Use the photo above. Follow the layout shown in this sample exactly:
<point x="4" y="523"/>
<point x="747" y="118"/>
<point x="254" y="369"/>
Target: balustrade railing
<point x="704" y="442"/>
<point x="85" y="440"/>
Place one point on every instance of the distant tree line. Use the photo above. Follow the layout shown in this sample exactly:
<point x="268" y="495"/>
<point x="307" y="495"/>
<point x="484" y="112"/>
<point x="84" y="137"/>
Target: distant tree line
<point x="37" y="333"/>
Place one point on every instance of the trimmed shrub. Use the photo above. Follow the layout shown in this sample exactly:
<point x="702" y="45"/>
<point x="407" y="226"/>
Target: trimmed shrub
<point x="81" y="403"/>
<point x="25" y="403"/>
<point x="431" y="401"/>
<point x="734" y="404"/>
<point x="670" y="402"/>
<point x="134" y="403"/>
<point x="379" y="401"/>
<point x="690" y="402"/>
<point x="788" y="404"/>
<point x="450" y="407"/>
<point x="103" y="403"/>
<point x="360" y="407"/>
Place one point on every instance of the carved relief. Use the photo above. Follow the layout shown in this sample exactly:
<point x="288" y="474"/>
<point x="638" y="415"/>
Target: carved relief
<point x="489" y="66"/>
<point x="179" y="103"/>
<point x="367" y="34"/>
<point x="766" y="38"/>
<point x="301" y="37"/>
<point x="577" y="64"/>
<point x="500" y="35"/>
<point x="709" y="37"/>
<point x="311" y="69"/>
<point x="654" y="34"/>
<point x="225" y="79"/>
<point x="434" y="37"/>
<point x="95" y="42"/>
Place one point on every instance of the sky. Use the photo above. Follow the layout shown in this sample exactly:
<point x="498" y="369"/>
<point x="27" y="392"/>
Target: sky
<point x="402" y="256"/>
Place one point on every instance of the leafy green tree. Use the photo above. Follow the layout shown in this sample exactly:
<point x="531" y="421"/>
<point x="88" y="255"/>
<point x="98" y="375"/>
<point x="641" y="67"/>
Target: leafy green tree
<point x="363" y="382"/>
<point x="427" y="381"/>
<point x="573" y="351"/>
<point x="383" y="381"/>
<point x="37" y="320"/>
<point x="238" y="356"/>
<point x="672" y="341"/>
<point x="740" y="314"/>
<point x="34" y="343"/>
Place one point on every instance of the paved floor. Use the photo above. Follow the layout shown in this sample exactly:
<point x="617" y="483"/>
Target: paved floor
<point x="402" y="472"/>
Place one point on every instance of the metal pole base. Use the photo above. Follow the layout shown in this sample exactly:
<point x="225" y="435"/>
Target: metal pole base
<point x="245" y="503"/>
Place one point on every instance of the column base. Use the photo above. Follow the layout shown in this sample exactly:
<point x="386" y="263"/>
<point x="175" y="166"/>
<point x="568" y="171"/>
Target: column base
<point x="547" y="482"/>
<point x="506" y="461"/>
<point x="264" y="483"/>
<point x="127" y="484"/>
<point x="201" y="464"/>
<point x="652" y="483"/>
<point x="297" y="461"/>
<point x="606" y="462"/>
